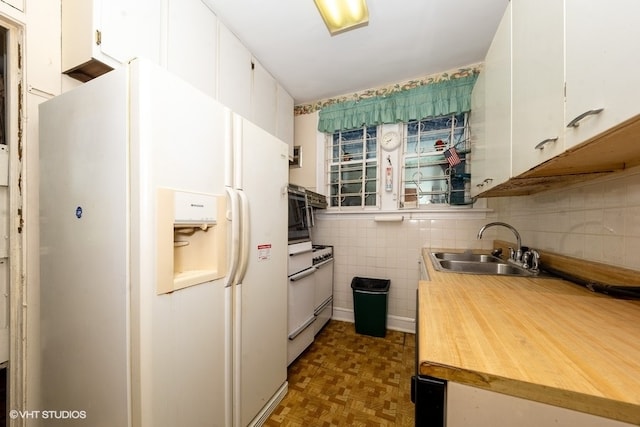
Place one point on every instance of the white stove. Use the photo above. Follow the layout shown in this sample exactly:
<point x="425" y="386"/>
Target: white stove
<point x="323" y="301"/>
<point x="322" y="253"/>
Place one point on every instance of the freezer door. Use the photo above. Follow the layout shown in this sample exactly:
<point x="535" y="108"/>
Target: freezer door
<point x="84" y="251"/>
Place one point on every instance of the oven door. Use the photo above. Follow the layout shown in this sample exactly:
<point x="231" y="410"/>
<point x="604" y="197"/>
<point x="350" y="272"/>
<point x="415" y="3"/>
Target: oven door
<point x="301" y="316"/>
<point x="299" y="225"/>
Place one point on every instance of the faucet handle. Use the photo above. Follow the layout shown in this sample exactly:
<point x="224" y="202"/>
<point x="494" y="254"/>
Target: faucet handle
<point x="535" y="260"/>
<point x="512" y="253"/>
<point x="531" y="260"/>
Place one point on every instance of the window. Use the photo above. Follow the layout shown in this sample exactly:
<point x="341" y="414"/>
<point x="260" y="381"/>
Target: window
<point x="352" y="168"/>
<point x="428" y="177"/>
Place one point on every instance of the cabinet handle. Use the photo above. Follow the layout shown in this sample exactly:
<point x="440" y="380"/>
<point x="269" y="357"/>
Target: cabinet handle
<point x="576" y="122"/>
<point x="541" y="144"/>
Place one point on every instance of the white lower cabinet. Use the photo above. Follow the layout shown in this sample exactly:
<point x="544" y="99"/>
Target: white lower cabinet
<point x="474" y="407"/>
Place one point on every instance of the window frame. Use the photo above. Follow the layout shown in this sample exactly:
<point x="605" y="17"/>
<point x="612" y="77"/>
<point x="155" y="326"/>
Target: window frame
<point x="344" y="160"/>
<point x="423" y="151"/>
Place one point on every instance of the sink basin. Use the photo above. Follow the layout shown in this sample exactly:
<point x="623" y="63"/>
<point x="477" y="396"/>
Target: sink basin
<point x="499" y="268"/>
<point x="466" y="256"/>
<point x="470" y="263"/>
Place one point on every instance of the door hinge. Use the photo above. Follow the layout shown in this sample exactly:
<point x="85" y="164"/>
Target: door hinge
<point x="98" y="37"/>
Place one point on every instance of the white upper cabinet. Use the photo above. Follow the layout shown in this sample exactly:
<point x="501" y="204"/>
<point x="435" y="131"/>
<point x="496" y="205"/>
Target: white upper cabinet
<point x="284" y="118"/>
<point x="571" y="91"/>
<point x="477" y="121"/>
<point x="601" y="58"/>
<point x="98" y="35"/>
<point x="234" y="73"/>
<point x="248" y="88"/>
<point x="538" y="82"/>
<point x="491" y="145"/>
<point x="18" y="4"/>
<point x="192" y="44"/>
<point x="264" y="98"/>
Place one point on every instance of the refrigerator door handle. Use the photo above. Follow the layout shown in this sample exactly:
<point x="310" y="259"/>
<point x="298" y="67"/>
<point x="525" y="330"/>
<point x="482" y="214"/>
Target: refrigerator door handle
<point x="235" y="236"/>
<point x="237" y="356"/>
<point x="245" y="236"/>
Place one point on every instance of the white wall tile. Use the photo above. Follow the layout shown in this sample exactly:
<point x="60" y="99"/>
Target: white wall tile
<point x="598" y="220"/>
<point x="363" y="247"/>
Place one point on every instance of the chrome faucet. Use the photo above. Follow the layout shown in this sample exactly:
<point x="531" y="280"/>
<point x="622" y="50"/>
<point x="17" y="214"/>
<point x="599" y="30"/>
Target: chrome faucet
<point x="514" y="255"/>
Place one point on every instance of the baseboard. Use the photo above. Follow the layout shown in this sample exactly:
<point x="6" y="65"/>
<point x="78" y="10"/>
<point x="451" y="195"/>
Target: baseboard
<point x="271" y="406"/>
<point x="395" y="323"/>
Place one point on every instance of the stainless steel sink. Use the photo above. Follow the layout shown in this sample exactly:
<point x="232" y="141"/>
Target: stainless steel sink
<point x="469" y="263"/>
<point x="466" y="256"/>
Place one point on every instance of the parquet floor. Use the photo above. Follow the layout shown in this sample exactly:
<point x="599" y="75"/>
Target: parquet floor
<point x="348" y="379"/>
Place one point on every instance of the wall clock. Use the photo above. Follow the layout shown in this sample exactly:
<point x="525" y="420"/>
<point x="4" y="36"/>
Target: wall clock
<point x="390" y="141"/>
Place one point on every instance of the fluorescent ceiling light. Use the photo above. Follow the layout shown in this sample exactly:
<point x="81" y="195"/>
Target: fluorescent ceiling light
<point x="343" y="15"/>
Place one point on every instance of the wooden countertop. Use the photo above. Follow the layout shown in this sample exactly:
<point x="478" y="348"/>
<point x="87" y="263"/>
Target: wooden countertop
<point x="542" y="339"/>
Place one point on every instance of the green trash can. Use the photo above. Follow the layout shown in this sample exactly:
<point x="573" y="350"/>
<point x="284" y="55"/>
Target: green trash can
<point x="370" y="305"/>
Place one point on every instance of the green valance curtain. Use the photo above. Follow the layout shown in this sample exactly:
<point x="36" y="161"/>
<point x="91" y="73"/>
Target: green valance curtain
<point x="435" y="99"/>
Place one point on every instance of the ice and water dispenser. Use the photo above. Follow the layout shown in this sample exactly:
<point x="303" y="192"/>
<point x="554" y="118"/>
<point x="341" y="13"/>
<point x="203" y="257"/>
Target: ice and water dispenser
<point x="191" y="245"/>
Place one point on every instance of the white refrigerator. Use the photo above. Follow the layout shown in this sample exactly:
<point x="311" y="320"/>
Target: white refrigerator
<point x="137" y="167"/>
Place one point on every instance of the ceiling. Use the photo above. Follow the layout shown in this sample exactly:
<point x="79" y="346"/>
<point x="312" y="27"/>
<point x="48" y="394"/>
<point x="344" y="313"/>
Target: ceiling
<point x="405" y="39"/>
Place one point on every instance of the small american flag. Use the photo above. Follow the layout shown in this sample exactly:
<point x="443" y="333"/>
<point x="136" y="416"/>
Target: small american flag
<point x="452" y="156"/>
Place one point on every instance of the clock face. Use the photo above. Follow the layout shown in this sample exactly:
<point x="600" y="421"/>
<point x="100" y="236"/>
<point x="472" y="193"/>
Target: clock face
<point x="390" y="141"/>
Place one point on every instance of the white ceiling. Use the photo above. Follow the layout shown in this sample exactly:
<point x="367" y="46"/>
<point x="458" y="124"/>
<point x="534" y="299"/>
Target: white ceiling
<point x="405" y="39"/>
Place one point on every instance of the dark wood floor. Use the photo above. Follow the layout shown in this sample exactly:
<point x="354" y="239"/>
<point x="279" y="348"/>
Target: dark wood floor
<point x="348" y="379"/>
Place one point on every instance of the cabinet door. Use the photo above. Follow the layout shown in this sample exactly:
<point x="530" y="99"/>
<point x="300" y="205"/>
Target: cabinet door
<point x="130" y="29"/>
<point x="477" y="120"/>
<point x="284" y="118"/>
<point x="192" y="24"/>
<point x="538" y="82"/>
<point x="234" y="73"/>
<point x="18" y="4"/>
<point x="602" y="45"/>
<point x="97" y="32"/>
<point x="497" y="111"/>
<point x="263" y="99"/>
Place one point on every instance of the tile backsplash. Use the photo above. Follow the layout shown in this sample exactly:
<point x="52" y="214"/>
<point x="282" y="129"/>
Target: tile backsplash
<point x="598" y="220"/>
<point x="390" y="250"/>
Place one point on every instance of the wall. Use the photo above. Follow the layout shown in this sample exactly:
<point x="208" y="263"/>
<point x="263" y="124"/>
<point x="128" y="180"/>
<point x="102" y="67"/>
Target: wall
<point x="310" y="141"/>
<point x="597" y="220"/>
<point x="391" y="250"/>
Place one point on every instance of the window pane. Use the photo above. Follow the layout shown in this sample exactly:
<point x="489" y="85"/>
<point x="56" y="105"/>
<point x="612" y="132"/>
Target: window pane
<point x="352" y="167"/>
<point x="427" y="177"/>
